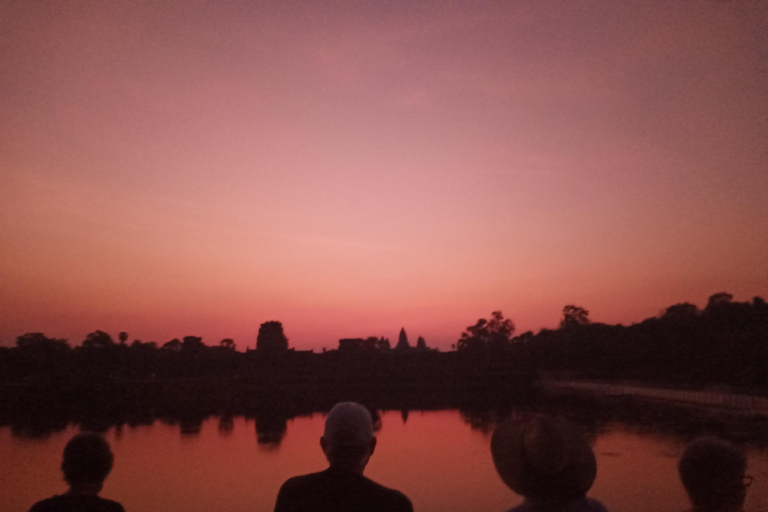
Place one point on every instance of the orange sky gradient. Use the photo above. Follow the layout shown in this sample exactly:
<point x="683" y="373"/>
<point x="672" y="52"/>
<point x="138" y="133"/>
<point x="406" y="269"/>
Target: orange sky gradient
<point x="350" y="168"/>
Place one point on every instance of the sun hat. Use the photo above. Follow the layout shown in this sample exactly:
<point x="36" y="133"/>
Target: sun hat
<point x="543" y="457"/>
<point x="348" y="423"/>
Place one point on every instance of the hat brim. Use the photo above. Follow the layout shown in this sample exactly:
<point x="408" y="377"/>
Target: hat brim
<point x="571" y="482"/>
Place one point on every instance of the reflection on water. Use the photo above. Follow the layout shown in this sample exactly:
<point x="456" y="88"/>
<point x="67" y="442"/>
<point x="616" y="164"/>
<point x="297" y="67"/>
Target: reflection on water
<point x="270" y="430"/>
<point x="440" y="459"/>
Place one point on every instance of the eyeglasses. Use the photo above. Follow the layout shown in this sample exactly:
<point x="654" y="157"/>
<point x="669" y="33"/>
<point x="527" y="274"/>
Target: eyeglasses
<point x="747" y="480"/>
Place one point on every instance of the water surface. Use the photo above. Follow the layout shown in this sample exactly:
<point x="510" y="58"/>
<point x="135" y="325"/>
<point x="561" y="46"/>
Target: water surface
<point x="434" y="457"/>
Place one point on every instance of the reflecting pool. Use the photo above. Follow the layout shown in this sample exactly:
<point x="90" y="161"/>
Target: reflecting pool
<point x="437" y="458"/>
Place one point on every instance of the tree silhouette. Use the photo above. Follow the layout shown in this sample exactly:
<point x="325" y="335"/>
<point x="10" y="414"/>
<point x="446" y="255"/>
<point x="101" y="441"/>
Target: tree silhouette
<point x="98" y="339"/>
<point x="174" y="345"/>
<point x="574" y="315"/>
<point x="39" y="354"/>
<point x="271" y="339"/>
<point x="681" y="311"/>
<point x="38" y="339"/>
<point x="228" y="344"/>
<point x="192" y="343"/>
<point x="719" y="299"/>
<point x="487" y="334"/>
<point x="123" y="337"/>
<point x="402" y="340"/>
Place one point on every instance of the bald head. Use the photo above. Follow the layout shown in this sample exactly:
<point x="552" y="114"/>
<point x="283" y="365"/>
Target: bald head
<point x="348" y="440"/>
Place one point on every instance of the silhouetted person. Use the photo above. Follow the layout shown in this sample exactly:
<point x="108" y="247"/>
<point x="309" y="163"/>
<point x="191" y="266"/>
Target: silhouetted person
<point x="348" y="444"/>
<point x="713" y="474"/>
<point x="86" y="463"/>
<point x="547" y="461"/>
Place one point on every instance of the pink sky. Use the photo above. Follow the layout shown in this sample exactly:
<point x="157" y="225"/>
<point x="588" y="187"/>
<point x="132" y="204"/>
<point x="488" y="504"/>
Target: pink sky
<point x="351" y="168"/>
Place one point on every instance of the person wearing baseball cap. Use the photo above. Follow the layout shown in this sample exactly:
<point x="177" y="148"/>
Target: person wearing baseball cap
<point x="548" y="461"/>
<point x="348" y="443"/>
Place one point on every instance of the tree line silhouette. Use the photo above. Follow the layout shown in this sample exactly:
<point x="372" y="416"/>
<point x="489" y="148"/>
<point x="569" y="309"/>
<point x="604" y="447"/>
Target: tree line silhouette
<point x="725" y="343"/>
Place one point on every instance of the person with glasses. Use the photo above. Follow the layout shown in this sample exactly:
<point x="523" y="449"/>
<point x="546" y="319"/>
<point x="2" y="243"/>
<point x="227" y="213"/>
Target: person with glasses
<point x="713" y="472"/>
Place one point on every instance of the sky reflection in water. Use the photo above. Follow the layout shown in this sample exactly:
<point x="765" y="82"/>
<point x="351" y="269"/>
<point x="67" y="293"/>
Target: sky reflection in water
<point x="434" y="457"/>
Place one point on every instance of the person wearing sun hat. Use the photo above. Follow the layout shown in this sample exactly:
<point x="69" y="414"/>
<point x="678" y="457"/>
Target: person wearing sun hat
<point x="548" y="461"/>
<point x="348" y="443"/>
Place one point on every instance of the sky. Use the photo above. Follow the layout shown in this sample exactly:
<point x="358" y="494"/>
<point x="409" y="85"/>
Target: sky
<point x="173" y="168"/>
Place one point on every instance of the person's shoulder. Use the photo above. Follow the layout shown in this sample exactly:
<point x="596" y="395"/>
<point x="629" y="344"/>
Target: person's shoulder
<point x="45" y="505"/>
<point x="110" y="505"/>
<point x="295" y="490"/>
<point x="585" y="504"/>
<point x="594" y="505"/>
<point x="395" y="499"/>
<point x="299" y="485"/>
<point x="302" y="480"/>
<point x="525" y="506"/>
<point x="67" y="502"/>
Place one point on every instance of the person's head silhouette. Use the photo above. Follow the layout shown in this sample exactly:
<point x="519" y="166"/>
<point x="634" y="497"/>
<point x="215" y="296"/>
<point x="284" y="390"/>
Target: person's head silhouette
<point x="713" y="472"/>
<point x="348" y="441"/>
<point x="86" y="463"/>
<point x="348" y="444"/>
